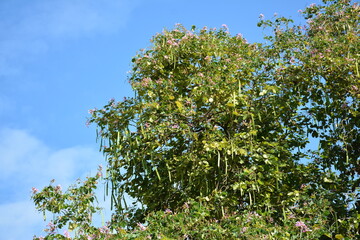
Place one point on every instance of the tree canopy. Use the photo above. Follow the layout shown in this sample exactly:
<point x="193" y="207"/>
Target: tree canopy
<point x="220" y="128"/>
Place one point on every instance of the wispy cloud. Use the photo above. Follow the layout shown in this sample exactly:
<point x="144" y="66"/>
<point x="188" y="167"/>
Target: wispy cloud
<point x="22" y="218"/>
<point x="29" y="27"/>
<point x="26" y="162"/>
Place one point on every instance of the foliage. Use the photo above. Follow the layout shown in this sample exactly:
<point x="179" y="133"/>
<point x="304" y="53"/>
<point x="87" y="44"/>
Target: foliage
<point x="73" y="208"/>
<point x="225" y="126"/>
<point x="193" y="222"/>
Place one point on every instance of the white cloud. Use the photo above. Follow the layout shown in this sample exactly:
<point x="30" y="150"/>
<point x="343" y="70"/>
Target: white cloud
<point x="28" y="162"/>
<point x="20" y="220"/>
<point x="29" y="27"/>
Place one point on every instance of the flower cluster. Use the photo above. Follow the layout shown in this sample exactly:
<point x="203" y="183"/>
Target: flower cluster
<point x="302" y="226"/>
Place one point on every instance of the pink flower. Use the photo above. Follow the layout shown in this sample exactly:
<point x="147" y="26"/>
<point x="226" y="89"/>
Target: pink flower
<point x="225" y="26"/>
<point x="34" y="190"/>
<point x="58" y="188"/>
<point x="302" y="226"/>
<point x="104" y="229"/>
<point x="239" y="35"/>
<point x="66" y="234"/>
<point x="145" y="82"/>
<point x="189" y="34"/>
<point x="142" y="227"/>
<point x="186" y="205"/>
<point x="52" y="227"/>
<point x="175" y="126"/>
<point x="168" y="211"/>
<point x="172" y="43"/>
<point x="91" y="111"/>
<point x="261" y="16"/>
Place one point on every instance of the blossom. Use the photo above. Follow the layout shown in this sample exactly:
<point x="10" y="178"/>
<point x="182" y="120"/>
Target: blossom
<point x="186" y="205"/>
<point x="355" y="88"/>
<point x="58" y="188"/>
<point x="91" y="111"/>
<point x="172" y="42"/>
<point x="145" y="82"/>
<point x="291" y="216"/>
<point x="239" y="35"/>
<point x="34" y="190"/>
<point x="66" y="234"/>
<point x="104" y="229"/>
<point x="225" y="26"/>
<point x="175" y="126"/>
<point x="51" y="226"/>
<point x="142" y="227"/>
<point x="302" y="226"/>
<point x="261" y="16"/>
<point x="167" y="211"/>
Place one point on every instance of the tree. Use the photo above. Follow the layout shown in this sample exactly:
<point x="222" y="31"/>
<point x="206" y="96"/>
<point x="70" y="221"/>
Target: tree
<point x="225" y="123"/>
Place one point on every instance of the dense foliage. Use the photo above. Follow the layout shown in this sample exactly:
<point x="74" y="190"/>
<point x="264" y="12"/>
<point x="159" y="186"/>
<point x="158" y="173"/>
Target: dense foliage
<point x="230" y="139"/>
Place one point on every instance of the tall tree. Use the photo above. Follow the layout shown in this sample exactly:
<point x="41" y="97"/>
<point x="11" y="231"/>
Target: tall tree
<point x="232" y="125"/>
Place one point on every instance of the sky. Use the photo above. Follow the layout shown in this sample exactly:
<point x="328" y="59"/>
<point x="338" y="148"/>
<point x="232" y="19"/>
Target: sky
<point x="60" y="58"/>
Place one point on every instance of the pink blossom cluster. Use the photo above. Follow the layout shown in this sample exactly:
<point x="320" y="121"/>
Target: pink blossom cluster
<point x="91" y="111"/>
<point x="58" y="188"/>
<point x="34" y="190"/>
<point x="302" y="226"/>
<point x="172" y="42"/>
<point x="167" y="211"/>
<point x="145" y="82"/>
<point x="142" y="227"/>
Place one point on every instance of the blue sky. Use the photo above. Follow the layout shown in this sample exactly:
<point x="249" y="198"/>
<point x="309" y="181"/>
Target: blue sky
<point x="60" y="58"/>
